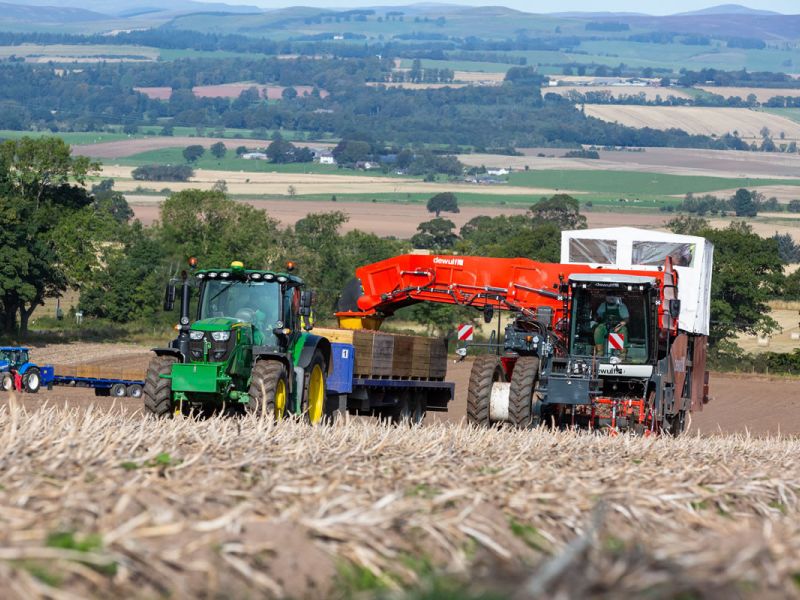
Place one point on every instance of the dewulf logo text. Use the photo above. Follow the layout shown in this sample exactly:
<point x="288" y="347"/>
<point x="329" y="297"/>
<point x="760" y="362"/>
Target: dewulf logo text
<point x="450" y="262"/>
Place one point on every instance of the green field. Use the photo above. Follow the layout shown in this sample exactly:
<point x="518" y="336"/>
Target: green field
<point x="231" y="162"/>
<point x="789" y="113"/>
<point x="629" y="184"/>
<point x="72" y="138"/>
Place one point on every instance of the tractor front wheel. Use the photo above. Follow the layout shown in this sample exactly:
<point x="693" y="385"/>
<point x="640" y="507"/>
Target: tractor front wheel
<point x="157" y="391"/>
<point x="269" y="390"/>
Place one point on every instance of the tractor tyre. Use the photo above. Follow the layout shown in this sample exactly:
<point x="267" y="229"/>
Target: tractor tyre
<point x="486" y="370"/>
<point x="315" y="391"/>
<point x="157" y="391"/>
<point x="7" y="383"/>
<point x="269" y="390"/>
<point x="32" y="380"/>
<point x="522" y="392"/>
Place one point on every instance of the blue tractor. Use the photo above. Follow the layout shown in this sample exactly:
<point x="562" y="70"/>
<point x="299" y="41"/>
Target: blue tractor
<point x="19" y="373"/>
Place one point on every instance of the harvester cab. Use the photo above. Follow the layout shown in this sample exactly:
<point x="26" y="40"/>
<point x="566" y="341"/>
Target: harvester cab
<point x="247" y="348"/>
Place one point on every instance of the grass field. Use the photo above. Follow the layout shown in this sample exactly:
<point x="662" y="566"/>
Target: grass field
<point x="109" y="504"/>
<point x="789" y="113"/>
<point x="635" y="184"/>
<point x="70" y="53"/>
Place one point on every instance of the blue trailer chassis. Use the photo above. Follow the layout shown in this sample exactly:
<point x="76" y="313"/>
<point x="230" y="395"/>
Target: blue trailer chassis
<point x="102" y="387"/>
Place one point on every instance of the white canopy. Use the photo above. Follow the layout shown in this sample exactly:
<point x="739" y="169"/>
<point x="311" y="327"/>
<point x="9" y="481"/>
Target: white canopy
<point x="644" y="249"/>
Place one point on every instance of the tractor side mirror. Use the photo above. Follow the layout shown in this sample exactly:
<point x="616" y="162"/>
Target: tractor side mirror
<point x="674" y="308"/>
<point x="169" y="297"/>
<point x="488" y="314"/>
<point x="306" y="303"/>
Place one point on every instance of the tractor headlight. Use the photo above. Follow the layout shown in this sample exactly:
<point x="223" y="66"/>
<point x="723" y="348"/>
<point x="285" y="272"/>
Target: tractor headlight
<point x="255" y="276"/>
<point x="225" y="275"/>
<point x="282" y="279"/>
<point x="196" y="335"/>
<point x="221" y="336"/>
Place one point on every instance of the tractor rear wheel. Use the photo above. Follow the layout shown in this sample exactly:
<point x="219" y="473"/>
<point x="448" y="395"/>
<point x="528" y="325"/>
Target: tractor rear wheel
<point x="522" y="391"/>
<point x="157" y="391"/>
<point x="315" y="391"/>
<point x="32" y="380"/>
<point x="486" y="370"/>
<point x="269" y="390"/>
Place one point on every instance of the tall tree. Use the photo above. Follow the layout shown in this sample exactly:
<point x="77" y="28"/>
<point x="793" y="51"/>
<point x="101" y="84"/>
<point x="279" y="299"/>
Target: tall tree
<point x="443" y="202"/>
<point x="45" y="219"/>
<point x="561" y="210"/>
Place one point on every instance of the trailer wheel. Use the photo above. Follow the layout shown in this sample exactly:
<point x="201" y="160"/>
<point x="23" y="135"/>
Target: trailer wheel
<point x="134" y="391"/>
<point x="522" y="393"/>
<point x="157" y="391"/>
<point x="32" y="380"/>
<point x="315" y="390"/>
<point x="119" y="390"/>
<point x="486" y="370"/>
<point x="269" y="390"/>
<point x="7" y="382"/>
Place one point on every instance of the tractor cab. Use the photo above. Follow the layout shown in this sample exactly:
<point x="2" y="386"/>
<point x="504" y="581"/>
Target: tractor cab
<point x="613" y="317"/>
<point x="13" y="357"/>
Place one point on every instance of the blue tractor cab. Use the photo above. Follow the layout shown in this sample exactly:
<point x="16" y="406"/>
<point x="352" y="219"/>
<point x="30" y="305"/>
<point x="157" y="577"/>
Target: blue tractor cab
<point x="19" y="373"/>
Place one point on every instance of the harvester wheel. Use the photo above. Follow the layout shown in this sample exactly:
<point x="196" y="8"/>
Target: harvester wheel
<point x="315" y="391"/>
<point x="157" y="391"/>
<point x="32" y="380"/>
<point x="269" y="390"/>
<point x="486" y="370"/>
<point x="522" y="391"/>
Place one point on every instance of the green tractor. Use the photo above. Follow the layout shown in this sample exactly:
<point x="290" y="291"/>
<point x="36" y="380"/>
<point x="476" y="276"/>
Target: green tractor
<point x="249" y="350"/>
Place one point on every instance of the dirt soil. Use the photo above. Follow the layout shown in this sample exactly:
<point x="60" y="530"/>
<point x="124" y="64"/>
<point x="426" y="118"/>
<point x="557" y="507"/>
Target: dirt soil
<point x="741" y="404"/>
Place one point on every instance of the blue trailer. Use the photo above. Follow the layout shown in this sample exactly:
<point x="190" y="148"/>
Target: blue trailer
<point x="397" y="399"/>
<point x="117" y="388"/>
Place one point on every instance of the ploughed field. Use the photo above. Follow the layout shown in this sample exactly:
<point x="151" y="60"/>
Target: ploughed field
<point x="97" y="500"/>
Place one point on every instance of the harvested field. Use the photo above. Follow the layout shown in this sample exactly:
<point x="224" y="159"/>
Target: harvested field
<point x="401" y="220"/>
<point x="762" y="94"/>
<point x="479" y="77"/>
<point x="229" y="90"/>
<point x="696" y="120"/>
<point x="671" y="161"/>
<point x="617" y="91"/>
<point x="416" y="86"/>
<point x="121" y="149"/>
<point x="306" y="184"/>
<point x="113" y="504"/>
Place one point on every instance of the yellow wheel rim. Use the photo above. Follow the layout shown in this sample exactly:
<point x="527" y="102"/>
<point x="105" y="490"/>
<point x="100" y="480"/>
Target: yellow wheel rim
<point x="280" y="399"/>
<point x="316" y="394"/>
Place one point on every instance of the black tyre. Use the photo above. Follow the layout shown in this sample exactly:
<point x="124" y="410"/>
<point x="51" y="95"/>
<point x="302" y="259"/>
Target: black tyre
<point x="486" y="370"/>
<point x="32" y="380"/>
<point x="315" y="390"/>
<point x="119" y="390"/>
<point x="410" y="409"/>
<point x="134" y="391"/>
<point x="674" y="424"/>
<point x="7" y="383"/>
<point x="522" y="391"/>
<point x="269" y="390"/>
<point x="157" y="391"/>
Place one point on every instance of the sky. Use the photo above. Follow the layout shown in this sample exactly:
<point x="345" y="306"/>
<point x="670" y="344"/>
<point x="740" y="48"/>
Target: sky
<point x="656" y="7"/>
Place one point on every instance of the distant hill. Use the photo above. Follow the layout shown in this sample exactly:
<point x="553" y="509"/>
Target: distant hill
<point x="728" y="9"/>
<point x="47" y="14"/>
<point x="137" y="7"/>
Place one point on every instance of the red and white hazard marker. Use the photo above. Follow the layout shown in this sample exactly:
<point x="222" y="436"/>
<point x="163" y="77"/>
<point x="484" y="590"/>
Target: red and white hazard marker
<point x="465" y="333"/>
<point x="616" y="341"/>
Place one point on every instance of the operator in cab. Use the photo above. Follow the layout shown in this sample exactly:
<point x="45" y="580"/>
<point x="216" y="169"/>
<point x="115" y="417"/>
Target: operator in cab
<point x="612" y="317"/>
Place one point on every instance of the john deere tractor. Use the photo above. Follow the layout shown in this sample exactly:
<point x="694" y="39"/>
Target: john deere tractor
<point x="248" y="350"/>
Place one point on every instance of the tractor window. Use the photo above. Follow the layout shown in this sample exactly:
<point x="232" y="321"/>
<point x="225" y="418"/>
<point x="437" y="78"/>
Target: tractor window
<point x="257" y="302"/>
<point x="610" y="322"/>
